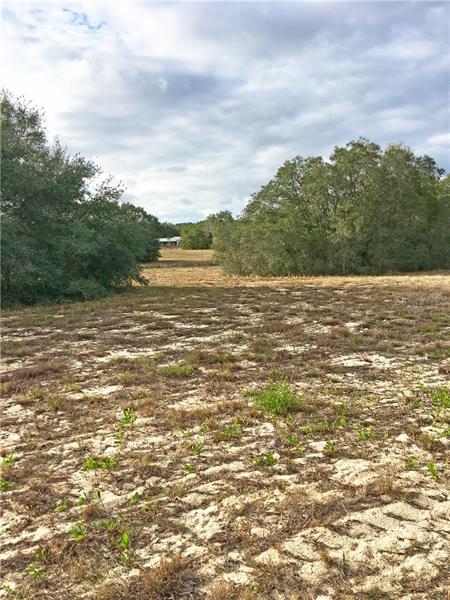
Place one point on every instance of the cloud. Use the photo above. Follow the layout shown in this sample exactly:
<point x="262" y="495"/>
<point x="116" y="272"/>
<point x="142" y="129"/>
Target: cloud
<point x="195" y="105"/>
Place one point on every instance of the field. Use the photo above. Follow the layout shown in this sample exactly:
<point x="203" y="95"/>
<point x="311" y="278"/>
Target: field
<point x="229" y="438"/>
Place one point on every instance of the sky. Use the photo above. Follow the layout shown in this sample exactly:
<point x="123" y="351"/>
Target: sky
<point x="194" y="105"/>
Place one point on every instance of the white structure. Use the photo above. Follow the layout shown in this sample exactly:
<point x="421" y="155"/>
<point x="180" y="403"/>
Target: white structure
<point x="170" y="242"/>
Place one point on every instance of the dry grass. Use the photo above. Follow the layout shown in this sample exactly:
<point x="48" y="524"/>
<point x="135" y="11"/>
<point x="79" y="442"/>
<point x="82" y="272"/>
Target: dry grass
<point x="347" y="495"/>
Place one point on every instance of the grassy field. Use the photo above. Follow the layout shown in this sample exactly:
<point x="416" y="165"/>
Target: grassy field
<point x="229" y="438"/>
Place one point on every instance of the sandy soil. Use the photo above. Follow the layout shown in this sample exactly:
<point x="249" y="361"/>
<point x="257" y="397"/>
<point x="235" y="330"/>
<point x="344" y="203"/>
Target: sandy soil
<point x="137" y="463"/>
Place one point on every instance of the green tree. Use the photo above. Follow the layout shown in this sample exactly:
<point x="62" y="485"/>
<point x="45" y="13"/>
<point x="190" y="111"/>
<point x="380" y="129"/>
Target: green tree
<point x="363" y="211"/>
<point x="194" y="237"/>
<point x="62" y="236"/>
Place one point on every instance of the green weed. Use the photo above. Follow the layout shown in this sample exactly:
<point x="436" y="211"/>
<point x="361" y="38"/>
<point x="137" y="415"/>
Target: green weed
<point x="108" y="462"/>
<point x="137" y="497"/>
<point x="268" y="459"/>
<point x="198" y="448"/>
<point x="63" y="506"/>
<point x="78" y="533"/>
<point x="35" y="571"/>
<point x="277" y="398"/>
<point x="411" y="462"/>
<point x="433" y="470"/>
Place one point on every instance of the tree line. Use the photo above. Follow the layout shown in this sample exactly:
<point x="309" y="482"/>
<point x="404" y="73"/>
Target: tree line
<point x="364" y="211"/>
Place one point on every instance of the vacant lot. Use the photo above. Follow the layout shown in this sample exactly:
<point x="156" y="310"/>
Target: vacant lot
<point x="216" y="437"/>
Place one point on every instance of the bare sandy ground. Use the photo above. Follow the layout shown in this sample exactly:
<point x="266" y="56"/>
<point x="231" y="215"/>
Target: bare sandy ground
<point x="137" y="464"/>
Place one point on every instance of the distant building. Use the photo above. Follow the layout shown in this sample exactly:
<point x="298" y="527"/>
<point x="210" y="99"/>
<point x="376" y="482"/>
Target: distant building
<point x="170" y="242"/>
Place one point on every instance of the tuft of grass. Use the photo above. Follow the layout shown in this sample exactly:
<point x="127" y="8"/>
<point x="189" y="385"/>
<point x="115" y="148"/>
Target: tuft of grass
<point x="35" y="571"/>
<point x="78" y="533"/>
<point x="365" y="433"/>
<point x="330" y="448"/>
<point x="198" y="447"/>
<point x="268" y="459"/>
<point x="433" y="470"/>
<point x="64" y="505"/>
<point x="441" y="397"/>
<point x="411" y="462"/>
<point x="211" y="358"/>
<point x="230" y="432"/>
<point x="108" y="462"/>
<point x="277" y="398"/>
<point x="182" y="370"/>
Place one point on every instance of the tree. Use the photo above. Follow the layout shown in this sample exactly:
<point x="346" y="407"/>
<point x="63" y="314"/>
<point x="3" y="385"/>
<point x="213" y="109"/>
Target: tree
<point x="62" y="236"/>
<point x="194" y="237"/>
<point x="363" y="211"/>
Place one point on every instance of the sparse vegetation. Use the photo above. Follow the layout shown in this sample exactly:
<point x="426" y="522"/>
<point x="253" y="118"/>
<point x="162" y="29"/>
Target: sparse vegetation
<point x="178" y="370"/>
<point x="127" y="483"/>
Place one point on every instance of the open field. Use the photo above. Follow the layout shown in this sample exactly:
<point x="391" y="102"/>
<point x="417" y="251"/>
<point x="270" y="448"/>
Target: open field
<point x="229" y="438"/>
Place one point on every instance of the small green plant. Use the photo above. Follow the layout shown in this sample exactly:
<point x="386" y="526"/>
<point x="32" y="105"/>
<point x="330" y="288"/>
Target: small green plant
<point x="108" y="462"/>
<point x="341" y="422"/>
<point x="295" y="444"/>
<point x="330" y="448"/>
<point x="411" y="462"/>
<point x="63" y="506"/>
<point x="8" y="461"/>
<point x="109" y="524"/>
<point x="35" y="571"/>
<point x="78" y="533"/>
<point x="84" y="499"/>
<point x="198" y="447"/>
<point x="231" y="431"/>
<point x="268" y="459"/>
<point x="365" y="433"/>
<point x="277" y="398"/>
<point x="137" y="497"/>
<point x="128" y="417"/>
<point x="433" y="470"/>
<point x="40" y="554"/>
<point x="120" y="436"/>
<point x="189" y="467"/>
<point x="124" y="541"/>
<point x="124" y="544"/>
<point x="5" y="485"/>
<point x="440" y="397"/>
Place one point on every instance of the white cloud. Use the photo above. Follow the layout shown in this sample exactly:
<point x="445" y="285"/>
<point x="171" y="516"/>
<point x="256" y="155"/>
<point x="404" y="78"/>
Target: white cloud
<point x="195" y="105"/>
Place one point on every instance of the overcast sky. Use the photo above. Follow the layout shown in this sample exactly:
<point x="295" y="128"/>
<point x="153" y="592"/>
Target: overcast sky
<point x="195" y="105"/>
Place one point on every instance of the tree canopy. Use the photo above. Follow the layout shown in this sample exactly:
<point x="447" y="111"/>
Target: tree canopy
<point x="363" y="211"/>
<point x="65" y="234"/>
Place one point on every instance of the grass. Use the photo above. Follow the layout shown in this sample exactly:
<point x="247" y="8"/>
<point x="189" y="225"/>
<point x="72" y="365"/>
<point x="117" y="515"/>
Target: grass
<point x="90" y="464"/>
<point x="181" y="370"/>
<point x="276" y="398"/>
<point x="441" y="397"/>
